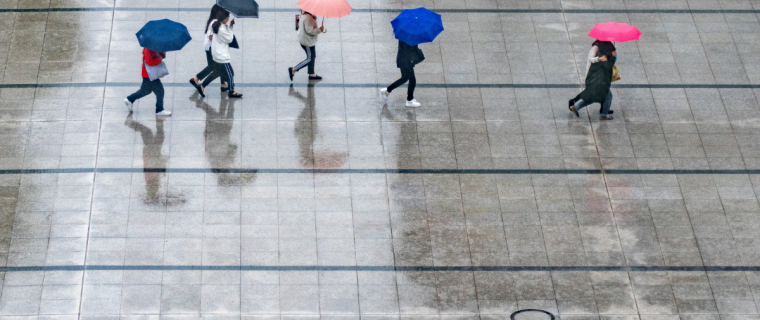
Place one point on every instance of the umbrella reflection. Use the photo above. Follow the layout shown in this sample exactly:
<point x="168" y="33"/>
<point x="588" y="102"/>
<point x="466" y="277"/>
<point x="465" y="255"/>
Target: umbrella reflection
<point x="306" y="128"/>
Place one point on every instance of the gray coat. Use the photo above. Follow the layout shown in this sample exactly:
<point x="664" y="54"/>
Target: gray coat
<point x="308" y="31"/>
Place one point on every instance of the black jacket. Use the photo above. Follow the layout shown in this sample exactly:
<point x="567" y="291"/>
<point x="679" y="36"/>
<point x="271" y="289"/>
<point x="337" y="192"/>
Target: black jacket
<point x="598" y="81"/>
<point x="408" y="56"/>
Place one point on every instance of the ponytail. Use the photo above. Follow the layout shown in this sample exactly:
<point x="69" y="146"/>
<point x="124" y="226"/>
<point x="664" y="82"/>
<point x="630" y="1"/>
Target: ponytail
<point x="215" y="10"/>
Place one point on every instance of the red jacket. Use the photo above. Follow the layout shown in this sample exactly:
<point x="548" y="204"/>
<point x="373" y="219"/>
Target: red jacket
<point x="152" y="58"/>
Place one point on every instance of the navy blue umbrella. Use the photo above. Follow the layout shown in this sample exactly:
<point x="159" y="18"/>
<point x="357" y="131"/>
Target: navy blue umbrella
<point x="241" y="8"/>
<point x="163" y="35"/>
<point x="415" y="26"/>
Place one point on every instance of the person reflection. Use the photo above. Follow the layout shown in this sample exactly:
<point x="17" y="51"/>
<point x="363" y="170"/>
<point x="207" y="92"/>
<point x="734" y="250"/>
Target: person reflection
<point x="306" y="128"/>
<point x="153" y="160"/>
<point x="220" y="151"/>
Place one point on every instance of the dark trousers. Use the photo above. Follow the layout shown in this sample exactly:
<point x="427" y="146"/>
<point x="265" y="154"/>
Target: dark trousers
<point x="147" y="88"/>
<point x="209" y="67"/>
<point x="311" y="55"/>
<point x="214" y="73"/>
<point x="407" y="74"/>
<point x="578" y="97"/>
<point x="225" y="71"/>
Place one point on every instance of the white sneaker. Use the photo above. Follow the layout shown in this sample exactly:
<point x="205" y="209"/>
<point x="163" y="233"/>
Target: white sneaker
<point x="128" y="104"/>
<point x="164" y="113"/>
<point x="384" y="93"/>
<point x="413" y="103"/>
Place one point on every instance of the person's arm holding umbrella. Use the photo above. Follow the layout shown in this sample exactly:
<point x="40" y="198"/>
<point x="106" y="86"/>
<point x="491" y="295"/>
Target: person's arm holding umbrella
<point x="225" y="33"/>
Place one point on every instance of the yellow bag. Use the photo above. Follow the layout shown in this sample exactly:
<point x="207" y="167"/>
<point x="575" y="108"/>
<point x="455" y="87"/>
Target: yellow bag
<point x="615" y="74"/>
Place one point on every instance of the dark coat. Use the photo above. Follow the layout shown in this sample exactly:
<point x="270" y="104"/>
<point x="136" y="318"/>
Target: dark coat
<point x="408" y="56"/>
<point x="598" y="81"/>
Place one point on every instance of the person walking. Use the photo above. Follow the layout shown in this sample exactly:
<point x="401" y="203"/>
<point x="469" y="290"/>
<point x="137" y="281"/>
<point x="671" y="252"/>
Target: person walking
<point x="598" y="82"/>
<point x="308" y="33"/>
<point x="590" y="59"/>
<point x="220" y="51"/>
<point x="150" y="58"/>
<point x="208" y="71"/>
<point x="407" y="57"/>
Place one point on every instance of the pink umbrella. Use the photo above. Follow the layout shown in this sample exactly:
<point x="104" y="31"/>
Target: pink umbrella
<point x="326" y="8"/>
<point x="614" y="31"/>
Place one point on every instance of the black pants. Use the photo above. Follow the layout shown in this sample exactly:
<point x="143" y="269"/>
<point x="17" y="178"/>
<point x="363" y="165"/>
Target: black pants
<point x="214" y="72"/>
<point x="147" y="88"/>
<point x="407" y="74"/>
<point x="209" y="67"/>
<point x="311" y="55"/>
<point x="578" y="97"/>
<point x="225" y="71"/>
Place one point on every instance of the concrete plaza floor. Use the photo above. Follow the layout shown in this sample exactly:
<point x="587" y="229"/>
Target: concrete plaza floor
<point x="322" y="200"/>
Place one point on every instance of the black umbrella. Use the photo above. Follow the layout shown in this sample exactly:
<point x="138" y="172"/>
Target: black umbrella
<point x="241" y="8"/>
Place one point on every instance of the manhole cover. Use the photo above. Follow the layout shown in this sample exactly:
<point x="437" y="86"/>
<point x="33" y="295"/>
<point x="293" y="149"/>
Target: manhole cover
<point x="512" y="316"/>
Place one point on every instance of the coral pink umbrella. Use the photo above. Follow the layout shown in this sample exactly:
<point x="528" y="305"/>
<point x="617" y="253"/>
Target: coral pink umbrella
<point x="614" y="31"/>
<point x="326" y="8"/>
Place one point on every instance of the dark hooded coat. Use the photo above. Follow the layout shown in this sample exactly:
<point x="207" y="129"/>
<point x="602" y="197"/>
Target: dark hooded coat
<point x="599" y="78"/>
<point x="408" y="56"/>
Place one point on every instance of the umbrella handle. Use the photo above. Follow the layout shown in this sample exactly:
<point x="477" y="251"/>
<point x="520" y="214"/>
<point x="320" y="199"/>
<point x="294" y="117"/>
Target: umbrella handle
<point x="323" y="25"/>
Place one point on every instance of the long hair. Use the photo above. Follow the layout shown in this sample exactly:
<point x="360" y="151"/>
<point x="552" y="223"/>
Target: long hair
<point x="214" y="13"/>
<point x="220" y="17"/>
<point x="605" y="48"/>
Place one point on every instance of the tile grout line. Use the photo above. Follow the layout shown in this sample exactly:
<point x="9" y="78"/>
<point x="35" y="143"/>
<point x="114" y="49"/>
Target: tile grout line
<point x="389" y="10"/>
<point x="599" y="158"/>
<point x="701" y="142"/>
<point x="441" y="85"/>
<point x="94" y="181"/>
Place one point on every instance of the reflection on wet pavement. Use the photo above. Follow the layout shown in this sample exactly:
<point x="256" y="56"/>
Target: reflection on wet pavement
<point x="321" y="200"/>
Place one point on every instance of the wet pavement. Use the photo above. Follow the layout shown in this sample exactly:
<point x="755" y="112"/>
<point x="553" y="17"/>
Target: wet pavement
<point x="321" y="200"/>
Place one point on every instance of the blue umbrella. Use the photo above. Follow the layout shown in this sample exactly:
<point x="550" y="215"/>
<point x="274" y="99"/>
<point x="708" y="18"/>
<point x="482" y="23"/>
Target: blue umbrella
<point x="163" y="35"/>
<point x="415" y="26"/>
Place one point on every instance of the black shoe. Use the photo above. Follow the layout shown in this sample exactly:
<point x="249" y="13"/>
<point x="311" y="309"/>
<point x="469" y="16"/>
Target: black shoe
<point x="575" y="112"/>
<point x="197" y="87"/>
<point x="607" y="117"/>
<point x="315" y="78"/>
<point x="570" y="103"/>
<point x="235" y="95"/>
<point x="610" y="112"/>
<point x="290" y="73"/>
<point x="225" y="89"/>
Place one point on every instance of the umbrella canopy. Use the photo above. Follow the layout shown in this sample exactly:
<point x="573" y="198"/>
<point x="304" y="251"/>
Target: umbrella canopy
<point x="614" y="31"/>
<point x="163" y="35"/>
<point x="240" y="8"/>
<point x="326" y="8"/>
<point x="415" y="26"/>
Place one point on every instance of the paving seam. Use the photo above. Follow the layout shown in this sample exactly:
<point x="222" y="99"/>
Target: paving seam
<point x="288" y="10"/>
<point x="375" y="171"/>
<point x="379" y="85"/>
<point x="379" y="268"/>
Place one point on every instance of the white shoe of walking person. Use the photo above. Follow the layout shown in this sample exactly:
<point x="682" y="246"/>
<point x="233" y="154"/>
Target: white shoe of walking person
<point x="413" y="103"/>
<point x="128" y="104"/>
<point x="164" y="113"/>
<point x="384" y="93"/>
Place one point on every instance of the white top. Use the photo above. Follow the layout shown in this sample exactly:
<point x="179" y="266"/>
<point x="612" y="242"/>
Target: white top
<point x="220" y="45"/>
<point x="209" y="33"/>
<point x="309" y="31"/>
<point x="592" y="58"/>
